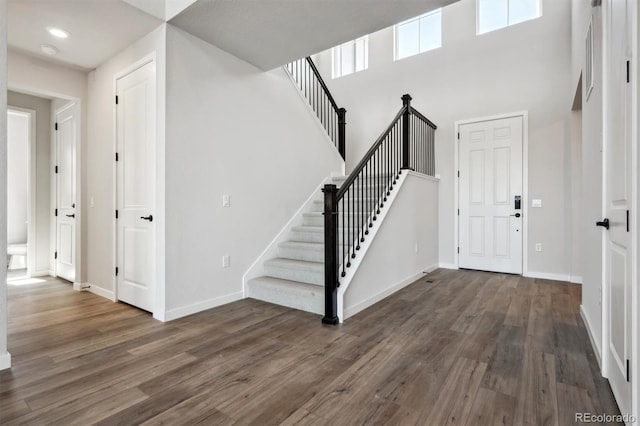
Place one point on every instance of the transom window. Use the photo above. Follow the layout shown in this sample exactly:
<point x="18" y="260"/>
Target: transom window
<point x="418" y="35"/>
<point x="351" y="57"/>
<point x="496" y="14"/>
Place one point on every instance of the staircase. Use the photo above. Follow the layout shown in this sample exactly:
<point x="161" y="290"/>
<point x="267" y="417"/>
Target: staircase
<point x="296" y="277"/>
<point x="311" y="267"/>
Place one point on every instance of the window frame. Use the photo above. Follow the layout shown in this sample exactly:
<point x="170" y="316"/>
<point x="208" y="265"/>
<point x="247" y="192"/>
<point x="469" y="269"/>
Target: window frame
<point x="396" y="37"/>
<point x="539" y="15"/>
<point x="339" y="48"/>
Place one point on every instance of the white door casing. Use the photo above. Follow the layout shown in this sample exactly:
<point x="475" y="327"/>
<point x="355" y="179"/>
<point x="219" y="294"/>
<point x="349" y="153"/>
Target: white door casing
<point x="65" y="176"/>
<point x="617" y="257"/>
<point x="136" y="186"/>
<point x="490" y="221"/>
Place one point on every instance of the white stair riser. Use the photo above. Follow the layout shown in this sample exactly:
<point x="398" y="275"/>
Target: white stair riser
<point x="309" y="302"/>
<point x="309" y="255"/>
<point x="292" y="274"/>
<point x="315" y="220"/>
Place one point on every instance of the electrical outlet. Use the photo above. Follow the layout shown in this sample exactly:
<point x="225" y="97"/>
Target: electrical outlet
<point x="226" y="200"/>
<point x="92" y="202"/>
<point x="226" y="261"/>
<point x="538" y="246"/>
<point x="417" y="247"/>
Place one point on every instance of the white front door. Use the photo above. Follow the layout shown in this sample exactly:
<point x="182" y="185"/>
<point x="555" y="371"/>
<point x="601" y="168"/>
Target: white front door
<point x="490" y="195"/>
<point x="617" y="253"/>
<point x="136" y="186"/>
<point x="65" y="172"/>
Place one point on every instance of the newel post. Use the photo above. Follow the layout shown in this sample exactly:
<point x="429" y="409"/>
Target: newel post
<point x="342" y="132"/>
<point x="330" y="255"/>
<point x="406" y="101"/>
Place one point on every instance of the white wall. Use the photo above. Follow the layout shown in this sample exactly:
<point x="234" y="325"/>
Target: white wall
<point x="18" y="138"/>
<point x="42" y="107"/>
<point x="523" y="67"/>
<point x="392" y="261"/>
<point x="5" y="358"/>
<point x="31" y="75"/>
<point x="231" y="129"/>
<point x="590" y="236"/>
<point x="100" y="164"/>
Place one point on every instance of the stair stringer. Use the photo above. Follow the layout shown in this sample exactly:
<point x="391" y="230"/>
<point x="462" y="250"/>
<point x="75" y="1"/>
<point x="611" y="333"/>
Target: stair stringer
<point x="257" y="267"/>
<point x="364" y="246"/>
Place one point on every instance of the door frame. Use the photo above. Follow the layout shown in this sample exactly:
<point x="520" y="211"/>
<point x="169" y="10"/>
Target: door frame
<point x="158" y="311"/>
<point x="525" y="183"/>
<point x="635" y="196"/>
<point x="32" y="184"/>
<point x="75" y="104"/>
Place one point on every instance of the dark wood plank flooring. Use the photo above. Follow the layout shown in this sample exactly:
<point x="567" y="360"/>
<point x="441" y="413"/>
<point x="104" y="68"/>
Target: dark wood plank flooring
<point x="456" y="347"/>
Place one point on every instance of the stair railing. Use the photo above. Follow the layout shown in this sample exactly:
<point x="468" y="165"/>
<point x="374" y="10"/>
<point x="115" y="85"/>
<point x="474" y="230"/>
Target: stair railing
<point x="351" y="210"/>
<point x="333" y="118"/>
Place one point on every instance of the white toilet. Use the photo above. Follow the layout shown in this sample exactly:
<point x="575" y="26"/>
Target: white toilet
<point x="16" y="256"/>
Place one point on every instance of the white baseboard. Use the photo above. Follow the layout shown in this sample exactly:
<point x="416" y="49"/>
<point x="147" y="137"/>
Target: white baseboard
<point x="575" y="279"/>
<point x="183" y="311"/>
<point x="5" y="361"/>
<point x="352" y="310"/>
<point x="587" y="325"/>
<point x="546" y="276"/>
<point x="42" y="273"/>
<point x="447" y="266"/>
<point x="107" y="294"/>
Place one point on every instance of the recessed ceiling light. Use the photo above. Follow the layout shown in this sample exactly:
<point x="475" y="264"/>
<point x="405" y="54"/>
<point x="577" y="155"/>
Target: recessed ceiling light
<point x="57" y="32"/>
<point x="48" y="49"/>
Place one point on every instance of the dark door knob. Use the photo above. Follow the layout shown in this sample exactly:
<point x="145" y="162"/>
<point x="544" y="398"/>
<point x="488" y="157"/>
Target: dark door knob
<point x="71" y="215"/>
<point x="604" y="223"/>
<point x="516" y="215"/>
<point x="149" y="218"/>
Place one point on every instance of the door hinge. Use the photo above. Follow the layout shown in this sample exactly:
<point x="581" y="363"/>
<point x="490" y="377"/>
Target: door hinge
<point x="458" y="135"/>
<point x="116" y="156"/>
<point x="458" y="212"/>
<point x="116" y="99"/>
<point x="56" y="126"/>
<point x="116" y="214"/>
<point x="56" y="169"/>
<point x="458" y="250"/>
<point x="56" y="212"/>
<point x="55" y="255"/>
<point x="628" y="71"/>
<point x="458" y="173"/>
<point x="116" y="271"/>
<point x="628" y="372"/>
<point x="627" y="220"/>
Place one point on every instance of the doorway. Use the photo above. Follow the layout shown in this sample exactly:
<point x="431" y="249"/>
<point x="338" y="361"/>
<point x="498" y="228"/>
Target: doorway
<point x="21" y="201"/>
<point x="136" y="186"/>
<point x="65" y="213"/>
<point x="491" y="193"/>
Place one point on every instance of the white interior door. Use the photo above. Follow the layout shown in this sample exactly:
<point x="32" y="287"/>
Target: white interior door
<point x="617" y="253"/>
<point x="65" y="173"/>
<point x="136" y="186"/>
<point x="490" y="195"/>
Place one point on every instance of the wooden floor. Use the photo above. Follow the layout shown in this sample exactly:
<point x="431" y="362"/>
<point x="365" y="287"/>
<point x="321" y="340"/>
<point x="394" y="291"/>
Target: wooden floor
<point x="456" y="347"/>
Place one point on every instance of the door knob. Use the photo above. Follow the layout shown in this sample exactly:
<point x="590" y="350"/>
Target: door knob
<point x="71" y="215"/>
<point x="149" y="218"/>
<point x="604" y="223"/>
<point x="516" y="215"/>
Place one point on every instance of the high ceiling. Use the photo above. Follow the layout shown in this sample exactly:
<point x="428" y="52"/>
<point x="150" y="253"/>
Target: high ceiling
<point x="266" y="33"/>
<point x="98" y="29"/>
<point x="270" y="33"/>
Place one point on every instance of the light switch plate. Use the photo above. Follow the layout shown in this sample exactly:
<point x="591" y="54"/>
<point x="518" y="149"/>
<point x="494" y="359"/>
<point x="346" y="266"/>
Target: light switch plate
<point x="226" y="200"/>
<point x="536" y="203"/>
<point x="226" y="260"/>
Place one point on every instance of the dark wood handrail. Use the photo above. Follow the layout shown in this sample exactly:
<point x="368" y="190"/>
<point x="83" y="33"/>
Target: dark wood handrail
<point x="354" y="174"/>
<point x="423" y="118"/>
<point x="322" y="83"/>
